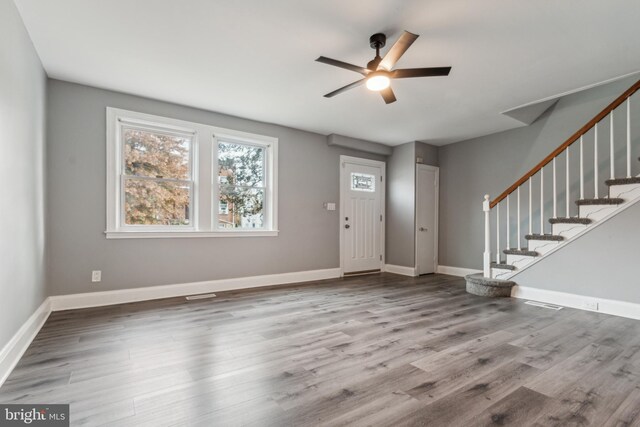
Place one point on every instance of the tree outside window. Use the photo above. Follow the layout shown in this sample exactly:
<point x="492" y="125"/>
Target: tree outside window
<point x="241" y="178"/>
<point x="157" y="178"/>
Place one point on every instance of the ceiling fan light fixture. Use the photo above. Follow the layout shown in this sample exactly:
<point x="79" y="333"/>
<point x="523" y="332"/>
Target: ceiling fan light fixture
<point x="379" y="71"/>
<point x="378" y="81"/>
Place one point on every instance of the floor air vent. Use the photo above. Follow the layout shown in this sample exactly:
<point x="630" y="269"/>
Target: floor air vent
<point x="544" y="305"/>
<point x="201" y="296"/>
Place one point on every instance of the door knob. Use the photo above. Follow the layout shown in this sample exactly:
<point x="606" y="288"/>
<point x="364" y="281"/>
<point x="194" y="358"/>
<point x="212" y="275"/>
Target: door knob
<point x="347" y="226"/>
<point x="423" y="229"/>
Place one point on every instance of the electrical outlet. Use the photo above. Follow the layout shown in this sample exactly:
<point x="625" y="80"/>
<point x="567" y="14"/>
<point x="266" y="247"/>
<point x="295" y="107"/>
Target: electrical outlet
<point x="591" y="305"/>
<point x="96" y="275"/>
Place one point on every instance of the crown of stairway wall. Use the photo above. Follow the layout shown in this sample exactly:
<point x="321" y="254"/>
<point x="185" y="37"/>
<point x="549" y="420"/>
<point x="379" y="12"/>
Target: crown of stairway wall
<point x="587" y="180"/>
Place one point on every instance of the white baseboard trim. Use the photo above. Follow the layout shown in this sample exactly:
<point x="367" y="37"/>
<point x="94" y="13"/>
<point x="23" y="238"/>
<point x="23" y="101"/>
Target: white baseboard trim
<point x="456" y="271"/>
<point x="606" y="306"/>
<point x="98" y="299"/>
<point x="399" y="269"/>
<point x="12" y="352"/>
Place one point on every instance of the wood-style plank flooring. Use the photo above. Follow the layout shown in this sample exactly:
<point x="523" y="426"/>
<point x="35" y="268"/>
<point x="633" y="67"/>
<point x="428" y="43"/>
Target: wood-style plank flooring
<point x="371" y="350"/>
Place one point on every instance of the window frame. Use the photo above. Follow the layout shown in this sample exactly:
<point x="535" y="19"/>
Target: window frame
<point x="204" y="200"/>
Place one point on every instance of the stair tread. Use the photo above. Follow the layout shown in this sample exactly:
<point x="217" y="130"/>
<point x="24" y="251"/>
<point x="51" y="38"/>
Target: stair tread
<point x="601" y="201"/>
<point x="503" y="265"/>
<point x="522" y="252"/>
<point x="623" y="181"/>
<point x="551" y="237"/>
<point x="570" y="220"/>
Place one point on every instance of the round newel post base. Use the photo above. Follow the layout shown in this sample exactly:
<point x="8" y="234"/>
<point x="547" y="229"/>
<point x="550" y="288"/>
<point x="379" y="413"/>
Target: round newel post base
<point x="477" y="284"/>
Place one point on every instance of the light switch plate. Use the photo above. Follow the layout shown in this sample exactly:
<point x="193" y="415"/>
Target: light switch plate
<point x="96" y="275"/>
<point x="330" y="206"/>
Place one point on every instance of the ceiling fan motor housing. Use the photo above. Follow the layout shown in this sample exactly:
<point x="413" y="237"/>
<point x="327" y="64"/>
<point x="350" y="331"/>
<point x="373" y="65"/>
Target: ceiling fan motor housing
<point x="377" y="41"/>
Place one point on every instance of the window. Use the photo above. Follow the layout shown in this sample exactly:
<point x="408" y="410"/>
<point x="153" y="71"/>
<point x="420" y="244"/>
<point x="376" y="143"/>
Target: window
<point x="241" y="178"/>
<point x="156" y="182"/>
<point x="171" y="178"/>
<point x="363" y="182"/>
<point x="223" y="208"/>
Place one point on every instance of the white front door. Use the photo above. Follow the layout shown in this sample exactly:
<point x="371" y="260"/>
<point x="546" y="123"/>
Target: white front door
<point x="426" y="218"/>
<point x="361" y="222"/>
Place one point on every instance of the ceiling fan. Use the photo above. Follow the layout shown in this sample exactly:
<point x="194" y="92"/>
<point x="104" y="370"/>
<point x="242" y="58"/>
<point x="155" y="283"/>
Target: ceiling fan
<point x="378" y="73"/>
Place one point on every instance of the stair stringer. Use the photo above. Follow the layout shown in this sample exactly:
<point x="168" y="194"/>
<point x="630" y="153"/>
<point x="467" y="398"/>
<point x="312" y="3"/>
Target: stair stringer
<point x="621" y="208"/>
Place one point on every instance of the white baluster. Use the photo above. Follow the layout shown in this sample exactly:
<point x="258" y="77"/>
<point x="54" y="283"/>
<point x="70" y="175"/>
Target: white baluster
<point x="518" y="217"/>
<point x="595" y="163"/>
<point x="542" y="200"/>
<point x="568" y="186"/>
<point x="629" y="137"/>
<point x="530" y="209"/>
<point x="611" y="147"/>
<point x="555" y="198"/>
<point x="498" y="233"/>
<point x="508" y="234"/>
<point x="487" y="237"/>
<point x="581" y="169"/>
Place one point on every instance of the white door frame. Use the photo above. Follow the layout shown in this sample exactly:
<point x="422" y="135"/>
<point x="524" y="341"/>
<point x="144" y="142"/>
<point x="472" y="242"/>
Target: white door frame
<point x="363" y="162"/>
<point x="415" y="215"/>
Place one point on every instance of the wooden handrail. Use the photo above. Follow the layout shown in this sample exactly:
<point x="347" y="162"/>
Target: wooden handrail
<point x="573" y="138"/>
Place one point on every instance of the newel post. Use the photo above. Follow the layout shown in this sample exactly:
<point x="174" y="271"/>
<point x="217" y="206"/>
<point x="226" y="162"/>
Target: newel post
<point x="487" y="237"/>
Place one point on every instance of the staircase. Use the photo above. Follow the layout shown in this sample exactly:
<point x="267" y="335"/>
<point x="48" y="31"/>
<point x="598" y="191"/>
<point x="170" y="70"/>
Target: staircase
<point x="534" y="217"/>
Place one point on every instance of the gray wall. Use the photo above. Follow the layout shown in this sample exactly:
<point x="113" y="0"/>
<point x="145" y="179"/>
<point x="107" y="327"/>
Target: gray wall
<point x="22" y="163"/>
<point x="400" y="206"/>
<point x="428" y="153"/>
<point x="308" y="176"/>
<point x="401" y="188"/>
<point x="602" y="263"/>
<point x="490" y="164"/>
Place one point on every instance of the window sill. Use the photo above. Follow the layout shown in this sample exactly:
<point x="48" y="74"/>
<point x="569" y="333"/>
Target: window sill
<point x="187" y="234"/>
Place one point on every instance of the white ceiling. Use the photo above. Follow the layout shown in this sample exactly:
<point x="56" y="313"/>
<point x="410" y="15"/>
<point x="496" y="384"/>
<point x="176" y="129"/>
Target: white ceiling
<point x="255" y="58"/>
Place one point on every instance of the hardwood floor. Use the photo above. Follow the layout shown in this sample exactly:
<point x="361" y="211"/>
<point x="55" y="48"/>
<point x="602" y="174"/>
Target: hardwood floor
<point x="370" y="350"/>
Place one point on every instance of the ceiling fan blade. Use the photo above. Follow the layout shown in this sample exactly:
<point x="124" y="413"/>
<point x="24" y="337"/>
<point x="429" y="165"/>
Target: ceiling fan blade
<point x="344" y="65"/>
<point x="344" y="88"/>
<point x="388" y="95"/>
<point x="397" y="50"/>
<point x="420" y="72"/>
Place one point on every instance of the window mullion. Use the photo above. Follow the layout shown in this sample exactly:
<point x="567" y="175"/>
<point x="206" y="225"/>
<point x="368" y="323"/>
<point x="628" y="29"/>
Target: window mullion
<point x="202" y="170"/>
<point x="215" y="185"/>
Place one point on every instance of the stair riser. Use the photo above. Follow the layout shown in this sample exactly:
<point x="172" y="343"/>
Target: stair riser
<point x="567" y="230"/>
<point x="519" y="260"/>
<point x="542" y="246"/>
<point x="627" y="191"/>
<point x="596" y="212"/>
<point x="499" y="273"/>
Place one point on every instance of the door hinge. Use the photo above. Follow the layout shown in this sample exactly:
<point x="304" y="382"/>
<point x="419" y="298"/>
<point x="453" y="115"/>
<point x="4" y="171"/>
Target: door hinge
<point x="380" y="257"/>
<point x="380" y="218"/>
<point x="380" y="178"/>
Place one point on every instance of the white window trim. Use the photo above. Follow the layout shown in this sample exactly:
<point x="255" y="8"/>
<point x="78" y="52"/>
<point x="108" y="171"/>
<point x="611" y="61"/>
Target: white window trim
<point x="204" y="175"/>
